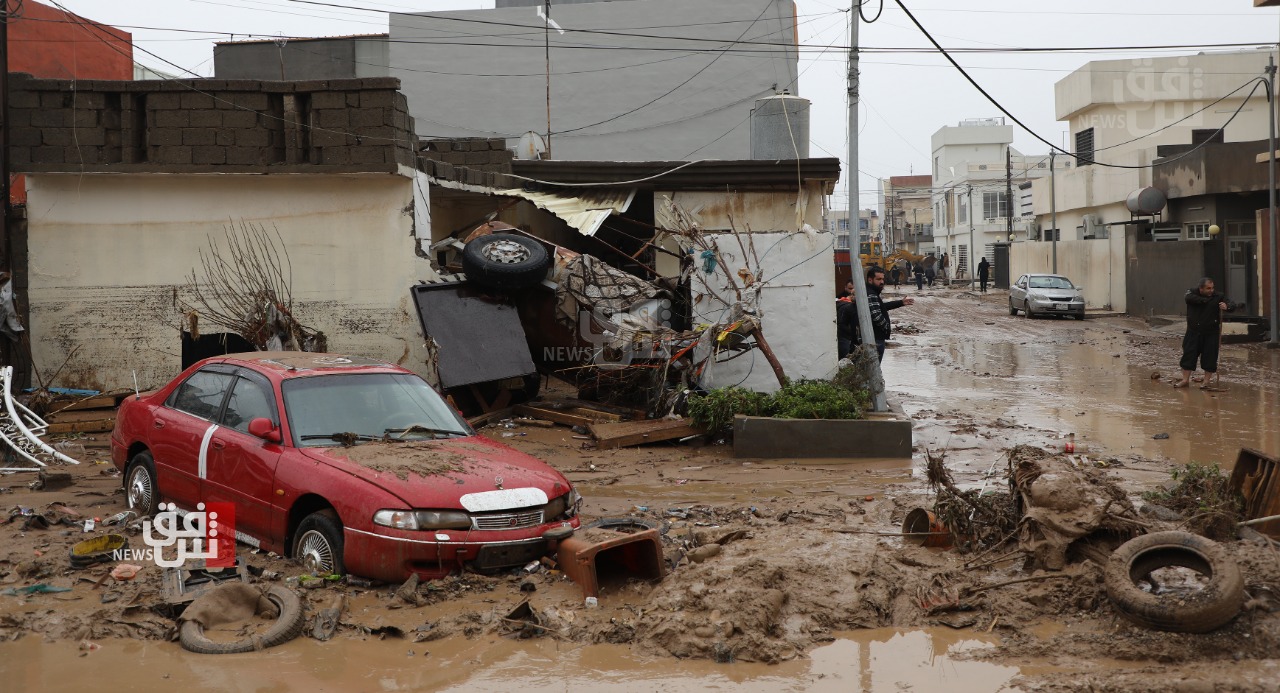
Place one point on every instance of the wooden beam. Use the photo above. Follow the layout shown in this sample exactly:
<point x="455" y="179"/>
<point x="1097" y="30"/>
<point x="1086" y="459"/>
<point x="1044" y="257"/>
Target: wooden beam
<point x="627" y="433"/>
<point x="96" y="426"/>
<point x="559" y="417"/>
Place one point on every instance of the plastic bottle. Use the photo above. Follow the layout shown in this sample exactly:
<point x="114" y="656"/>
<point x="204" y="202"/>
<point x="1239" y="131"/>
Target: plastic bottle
<point x="1070" y="447"/>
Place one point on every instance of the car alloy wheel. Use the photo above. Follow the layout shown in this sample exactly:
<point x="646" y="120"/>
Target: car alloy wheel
<point x="315" y="553"/>
<point x="319" y="544"/>
<point x="506" y="252"/>
<point x="140" y="486"/>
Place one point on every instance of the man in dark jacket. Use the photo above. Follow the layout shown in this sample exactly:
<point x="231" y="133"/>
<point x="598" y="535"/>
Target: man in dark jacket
<point x="880" y="324"/>
<point x="846" y="324"/>
<point x="984" y="271"/>
<point x="1205" y="307"/>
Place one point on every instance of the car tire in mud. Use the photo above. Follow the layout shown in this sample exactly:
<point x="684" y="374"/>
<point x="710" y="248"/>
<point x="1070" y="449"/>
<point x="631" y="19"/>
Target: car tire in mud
<point x="1026" y="306"/>
<point x="288" y="625"/>
<point x="1218" y="601"/>
<point x="505" y="261"/>
<point x="1012" y="310"/>
<point x="318" y="543"/>
<point x="140" y="489"/>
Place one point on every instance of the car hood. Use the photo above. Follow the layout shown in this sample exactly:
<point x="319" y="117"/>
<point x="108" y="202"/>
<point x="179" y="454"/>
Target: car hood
<point x="437" y="474"/>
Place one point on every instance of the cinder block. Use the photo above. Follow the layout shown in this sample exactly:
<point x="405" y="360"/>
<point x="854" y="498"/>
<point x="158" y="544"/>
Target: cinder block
<point x="172" y="119"/>
<point x="245" y="156"/>
<point x="54" y="118"/>
<point x="368" y="155"/>
<point x="224" y="137"/>
<point x="164" y="137"/>
<point x="377" y="99"/>
<point x="312" y="85"/>
<point x="380" y="83"/>
<point x="335" y="156"/>
<point x="328" y="99"/>
<point x="199" y="137"/>
<point x="209" y="155"/>
<point x="237" y="101"/>
<point x="54" y="99"/>
<point x="169" y="155"/>
<point x="157" y="102"/>
<point x="19" y="156"/>
<point x="253" y="138"/>
<point x="84" y="118"/>
<point x="206" y="118"/>
<point x="367" y="117"/>
<point x="329" y="138"/>
<point x="20" y="117"/>
<point x="476" y="158"/>
<point x="193" y="100"/>
<point x="25" y="137"/>
<point x="23" y="99"/>
<point x="47" y="155"/>
<point x="89" y="99"/>
<point x="239" y="119"/>
<point x="334" y="118"/>
<point x="82" y="155"/>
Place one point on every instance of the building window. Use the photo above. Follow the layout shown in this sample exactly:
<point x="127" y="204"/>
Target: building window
<point x="843" y="225"/>
<point x="937" y="164"/>
<point x="962" y="212"/>
<point x="863" y="224"/>
<point x="1198" y="231"/>
<point x="995" y="205"/>
<point x="842" y="241"/>
<point x="1084" y="146"/>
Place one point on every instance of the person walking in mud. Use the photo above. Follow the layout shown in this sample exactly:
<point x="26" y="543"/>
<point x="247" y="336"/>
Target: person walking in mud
<point x="1203" y="339"/>
<point x="880" y="324"/>
<point x="918" y="271"/>
<point x="984" y="271"/>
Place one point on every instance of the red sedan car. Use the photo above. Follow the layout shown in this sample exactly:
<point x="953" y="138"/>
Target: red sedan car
<point x="347" y="464"/>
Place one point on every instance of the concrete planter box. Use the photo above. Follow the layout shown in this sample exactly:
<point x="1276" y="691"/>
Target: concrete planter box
<point x="878" y="436"/>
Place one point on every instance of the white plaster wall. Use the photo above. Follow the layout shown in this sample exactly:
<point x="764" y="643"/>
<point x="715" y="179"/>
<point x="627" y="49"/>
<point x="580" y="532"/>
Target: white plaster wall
<point x="1097" y="265"/>
<point x="796" y="307"/>
<point x="110" y="256"/>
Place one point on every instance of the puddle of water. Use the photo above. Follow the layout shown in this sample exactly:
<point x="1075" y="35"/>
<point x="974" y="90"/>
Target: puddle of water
<point x="869" y="661"/>
<point x="1102" y="398"/>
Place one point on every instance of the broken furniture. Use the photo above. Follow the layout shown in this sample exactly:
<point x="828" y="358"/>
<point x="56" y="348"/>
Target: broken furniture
<point x="609" y="552"/>
<point x="1256" y="476"/>
<point x="482" y="358"/>
<point x="22" y="433"/>
<point x="181" y="586"/>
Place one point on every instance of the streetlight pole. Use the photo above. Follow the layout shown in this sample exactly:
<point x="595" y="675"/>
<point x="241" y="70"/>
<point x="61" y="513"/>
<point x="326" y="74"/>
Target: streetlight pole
<point x="973" y="272"/>
<point x="1271" y="204"/>
<point x="875" y="379"/>
<point x="1053" y="204"/>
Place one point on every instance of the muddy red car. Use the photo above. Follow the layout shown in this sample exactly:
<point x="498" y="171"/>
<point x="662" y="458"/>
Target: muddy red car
<point x="347" y="464"/>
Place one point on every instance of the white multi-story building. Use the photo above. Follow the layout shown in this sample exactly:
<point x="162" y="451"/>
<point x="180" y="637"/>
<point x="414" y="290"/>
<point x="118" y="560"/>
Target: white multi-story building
<point x="972" y="162"/>
<point x="1120" y="111"/>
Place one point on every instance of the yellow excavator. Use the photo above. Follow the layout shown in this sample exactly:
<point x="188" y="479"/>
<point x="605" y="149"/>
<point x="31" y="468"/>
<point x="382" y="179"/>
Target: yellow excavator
<point x="872" y="253"/>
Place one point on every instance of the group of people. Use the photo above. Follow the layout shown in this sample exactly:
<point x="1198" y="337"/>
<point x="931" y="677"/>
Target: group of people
<point x="848" y="334"/>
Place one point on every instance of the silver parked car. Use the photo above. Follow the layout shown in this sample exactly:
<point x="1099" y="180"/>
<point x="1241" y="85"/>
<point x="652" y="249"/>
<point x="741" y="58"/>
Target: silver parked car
<point x="1046" y="294"/>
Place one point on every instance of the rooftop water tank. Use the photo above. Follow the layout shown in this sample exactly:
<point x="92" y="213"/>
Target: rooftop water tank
<point x="1145" y="201"/>
<point x="780" y="127"/>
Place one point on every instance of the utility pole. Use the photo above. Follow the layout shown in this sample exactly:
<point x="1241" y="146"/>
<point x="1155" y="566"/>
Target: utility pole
<point x="1008" y="191"/>
<point x="1271" y="204"/>
<point x="973" y="264"/>
<point x="915" y="226"/>
<point x="875" y="379"/>
<point x="4" y="147"/>
<point x="1053" y="205"/>
<point x="546" y="37"/>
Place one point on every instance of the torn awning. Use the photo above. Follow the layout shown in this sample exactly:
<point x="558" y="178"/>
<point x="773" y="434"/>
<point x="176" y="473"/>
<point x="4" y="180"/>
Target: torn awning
<point x="584" y="211"/>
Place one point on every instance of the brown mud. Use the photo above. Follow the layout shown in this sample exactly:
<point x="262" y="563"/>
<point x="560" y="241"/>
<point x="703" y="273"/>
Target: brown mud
<point x="815" y="591"/>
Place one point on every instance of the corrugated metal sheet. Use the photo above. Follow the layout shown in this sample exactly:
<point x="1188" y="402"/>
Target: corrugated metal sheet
<point x="585" y="211"/>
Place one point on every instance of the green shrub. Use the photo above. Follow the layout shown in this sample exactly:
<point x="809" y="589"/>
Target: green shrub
<point x="1202" y="493"/>
<point x="715" y="410"/>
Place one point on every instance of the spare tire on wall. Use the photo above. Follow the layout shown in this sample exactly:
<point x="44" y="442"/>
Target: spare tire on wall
<point x="505" y="261"/>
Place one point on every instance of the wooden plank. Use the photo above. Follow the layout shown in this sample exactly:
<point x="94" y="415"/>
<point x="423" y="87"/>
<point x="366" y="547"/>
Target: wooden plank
<point x="78" y="416"/>
<point x="488" y="417"/>
<point x="551" y="415"/>
<point x="626" y="433"/>
<point x="96" y="402"/>
<point x="96" y="426"/>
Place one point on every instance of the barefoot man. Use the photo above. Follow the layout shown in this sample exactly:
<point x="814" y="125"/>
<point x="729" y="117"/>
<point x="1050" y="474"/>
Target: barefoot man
<point x="1204" y="327"/>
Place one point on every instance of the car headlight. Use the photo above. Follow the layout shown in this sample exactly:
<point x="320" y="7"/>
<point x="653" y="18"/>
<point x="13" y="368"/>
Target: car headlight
<point x="566" y="506"/>
<point x="422" y="519"/>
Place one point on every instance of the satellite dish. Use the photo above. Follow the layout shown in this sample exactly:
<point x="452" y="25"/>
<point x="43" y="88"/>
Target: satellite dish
<point x="531" y="147"/>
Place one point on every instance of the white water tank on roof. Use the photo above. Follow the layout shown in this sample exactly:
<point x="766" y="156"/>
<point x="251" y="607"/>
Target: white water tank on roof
<point x="1146" y="201"/>
<point x="780" y="127"/>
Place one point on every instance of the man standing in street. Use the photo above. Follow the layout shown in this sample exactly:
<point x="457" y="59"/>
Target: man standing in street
<point x="1205" y="307"/>
<point x="984" y="271"/>
<point x="880" y="324"/>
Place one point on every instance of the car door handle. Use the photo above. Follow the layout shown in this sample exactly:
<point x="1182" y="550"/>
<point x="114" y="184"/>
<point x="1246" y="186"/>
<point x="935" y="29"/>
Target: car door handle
<point x="158" y="423"/>
<point x="218" y="445"/>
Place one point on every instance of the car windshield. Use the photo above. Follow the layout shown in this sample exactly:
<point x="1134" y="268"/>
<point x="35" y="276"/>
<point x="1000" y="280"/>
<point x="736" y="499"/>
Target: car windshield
<point x="1051" y="283"/>
<point x="341" y="409"/>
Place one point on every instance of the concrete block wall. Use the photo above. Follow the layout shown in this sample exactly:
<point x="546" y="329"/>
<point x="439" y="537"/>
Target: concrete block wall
<point x="198" y="124"/>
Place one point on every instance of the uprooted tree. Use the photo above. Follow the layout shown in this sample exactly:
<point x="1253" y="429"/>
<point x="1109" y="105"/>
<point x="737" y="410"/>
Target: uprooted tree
<point x="246" y="288"/>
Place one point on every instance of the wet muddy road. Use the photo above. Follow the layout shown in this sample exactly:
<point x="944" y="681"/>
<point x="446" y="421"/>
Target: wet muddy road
<point x="975" y="381"/>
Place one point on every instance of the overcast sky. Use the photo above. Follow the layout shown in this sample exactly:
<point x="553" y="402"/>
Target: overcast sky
<point x="907" y="96"/>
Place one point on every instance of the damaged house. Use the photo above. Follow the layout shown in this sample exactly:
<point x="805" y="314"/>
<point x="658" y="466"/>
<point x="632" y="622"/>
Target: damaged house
<point x="316" y="207"/>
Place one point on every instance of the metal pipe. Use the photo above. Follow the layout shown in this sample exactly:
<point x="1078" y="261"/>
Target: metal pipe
<point x="973" y="266"/>
<point x="875" y="378"/>
<point x="1271" y="204"/>
<point x="1053" y="204"/>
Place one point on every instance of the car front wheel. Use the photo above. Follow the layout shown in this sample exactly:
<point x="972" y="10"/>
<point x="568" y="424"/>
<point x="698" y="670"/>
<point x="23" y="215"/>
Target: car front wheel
<point x="1026" y="305"/>
<point x="319" y="543"/>
<point x="140" y="485"/>
<point x="1012" y="310"/>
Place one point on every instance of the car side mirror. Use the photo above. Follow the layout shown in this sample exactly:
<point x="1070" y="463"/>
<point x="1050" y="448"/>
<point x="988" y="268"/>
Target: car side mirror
<point x="265" y="429"/>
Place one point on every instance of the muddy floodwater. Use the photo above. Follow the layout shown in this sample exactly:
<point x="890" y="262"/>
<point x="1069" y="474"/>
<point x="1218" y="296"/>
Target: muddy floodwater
<point x="872" y="661"/>
<point x="813" y="590"/>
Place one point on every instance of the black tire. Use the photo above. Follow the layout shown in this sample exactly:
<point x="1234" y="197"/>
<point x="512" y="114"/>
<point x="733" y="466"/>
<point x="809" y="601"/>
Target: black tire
<point x="288" y="626"/>
<point x="1210" y="608"/>
<point x="140" y="489"/>
<point x="1012" y="310"/>
<point x="1026" y="306"/>
<point x="316" y="532"/>
<point x="505" y="261"/>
